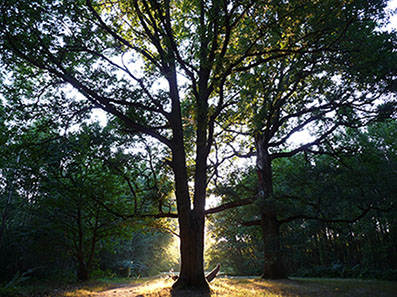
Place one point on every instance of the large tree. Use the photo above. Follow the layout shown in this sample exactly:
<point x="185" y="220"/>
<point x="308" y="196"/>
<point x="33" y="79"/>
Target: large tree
<point x="313" y="102"/>
<point x="165" y="69"/>
<point x="340" y="83"/>
<point x="330" y="209"/>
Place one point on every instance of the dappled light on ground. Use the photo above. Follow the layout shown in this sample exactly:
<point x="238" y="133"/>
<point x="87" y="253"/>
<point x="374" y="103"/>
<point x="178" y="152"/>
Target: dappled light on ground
<point x="243" y="287"/>
<point x="159" y="287"/>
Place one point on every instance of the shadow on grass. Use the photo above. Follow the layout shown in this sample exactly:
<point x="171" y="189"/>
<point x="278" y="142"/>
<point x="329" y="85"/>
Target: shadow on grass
<point x="186" y="293"/>
<point x="167" y="292"/>
<point x="183" y="293"/>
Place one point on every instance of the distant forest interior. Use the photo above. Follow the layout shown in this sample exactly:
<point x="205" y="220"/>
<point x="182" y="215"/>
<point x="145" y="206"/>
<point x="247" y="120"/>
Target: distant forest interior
<point x="186" y="140"/>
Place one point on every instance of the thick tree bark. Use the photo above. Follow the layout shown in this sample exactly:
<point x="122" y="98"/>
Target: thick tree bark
<point x="273" y="264"/>
<point x="191" y="223"/>
<point x="5" y="214"/>
<point x="192" y="252"/>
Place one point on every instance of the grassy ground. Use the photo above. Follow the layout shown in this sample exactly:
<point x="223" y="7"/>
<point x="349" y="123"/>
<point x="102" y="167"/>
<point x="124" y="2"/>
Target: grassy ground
<point x="228" y="287"/>
<point x="254" y="287"/>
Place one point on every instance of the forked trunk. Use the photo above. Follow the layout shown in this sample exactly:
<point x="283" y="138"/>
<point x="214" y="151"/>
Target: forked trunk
<point x="191" y="231"/>
<point x="191" y="219"/>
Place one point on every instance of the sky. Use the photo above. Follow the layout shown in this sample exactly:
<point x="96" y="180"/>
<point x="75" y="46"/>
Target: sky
<point x="393" y="20"/>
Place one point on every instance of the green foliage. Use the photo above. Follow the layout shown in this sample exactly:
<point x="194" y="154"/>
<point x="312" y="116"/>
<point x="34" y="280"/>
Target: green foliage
<point x="67" y="190"/>
<point x="9" y="292"/>
<point x="346" y="271"/>
<point x="11" y="288"/>
<point x="141" y="254"/>
<point x="237" y="248"/>
<point x="317" y="190"/>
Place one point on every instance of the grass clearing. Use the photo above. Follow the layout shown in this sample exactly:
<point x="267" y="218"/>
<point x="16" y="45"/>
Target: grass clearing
<point x="255" y="287"/>
<point x="230" y="287"/>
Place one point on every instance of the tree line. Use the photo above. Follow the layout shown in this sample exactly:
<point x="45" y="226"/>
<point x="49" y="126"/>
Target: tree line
<point x="57" y="193"/>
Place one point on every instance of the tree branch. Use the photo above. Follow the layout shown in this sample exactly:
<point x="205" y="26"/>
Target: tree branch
<point x="230" y="205"/>
<point x="306" y="146"/>
<point x="146" y="54"/>
<point x="251" y="223"/>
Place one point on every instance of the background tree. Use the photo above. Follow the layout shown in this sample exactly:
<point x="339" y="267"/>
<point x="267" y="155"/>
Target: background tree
<point x="332" y="211"/>
<point x="63" y="189"/>
<point x="6" y="174"/>
<point x="321" y="90"/>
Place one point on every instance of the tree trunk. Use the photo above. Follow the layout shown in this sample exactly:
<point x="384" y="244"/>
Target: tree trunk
<point x="5" y="215"/>
<point x="191" y="218"/>
<point x="192" y="254"/>
<point x="82" y="266"/>
<point x="82" y="270"/>
<point x="191" y="226"/>
<point x="191" y="229"/>
<point x="273" y="265"/>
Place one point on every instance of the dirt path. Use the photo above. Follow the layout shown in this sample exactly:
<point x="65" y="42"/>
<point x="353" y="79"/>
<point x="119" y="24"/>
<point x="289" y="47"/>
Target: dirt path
<point x="133" y="289"/>
<point x="119" y="291"/>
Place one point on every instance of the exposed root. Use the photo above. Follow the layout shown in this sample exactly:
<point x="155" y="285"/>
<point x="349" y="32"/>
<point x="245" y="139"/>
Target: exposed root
<point x="213" y="273"/>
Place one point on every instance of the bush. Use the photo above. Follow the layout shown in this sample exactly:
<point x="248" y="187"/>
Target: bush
<point x="99" y="273"/>
<point x="338" y="270"/>
<point x="130" y="268"/>
<point x="9" y="292"/>
<point x="390" y="274"/>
